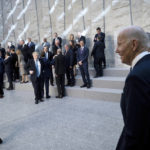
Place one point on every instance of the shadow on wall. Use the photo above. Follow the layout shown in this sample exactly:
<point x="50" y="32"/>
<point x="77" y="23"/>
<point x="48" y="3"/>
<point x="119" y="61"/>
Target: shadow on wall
<point x="110" y="51"/>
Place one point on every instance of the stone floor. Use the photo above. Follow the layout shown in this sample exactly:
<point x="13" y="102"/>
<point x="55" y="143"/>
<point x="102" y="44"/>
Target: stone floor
<point x="66" y="124"/>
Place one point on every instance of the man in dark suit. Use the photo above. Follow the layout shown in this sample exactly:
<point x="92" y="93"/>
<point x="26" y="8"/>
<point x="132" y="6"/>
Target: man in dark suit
<point x="56" y="37"/>
<point x="1" y="141"/>
<point x="82" y="59"/>
<point x="1" y="75"/>
<point x="25" y="50"/>
<point x="81" y="38"/>
<point x="45" y="43"/>
<point x="49" y="56"/>
<point x="9" y="70"/>
<point x="31" y="47"/>
<point x="56" y="46"/>
<point x="102" y="35"/>
<point x="98" y="54"/>
<point x="132" y="46"/>
<point x="35" y="68"/>
<point x="60" y="73"/>
<point x="69" y="57"/>
<point x="3" y="52"/>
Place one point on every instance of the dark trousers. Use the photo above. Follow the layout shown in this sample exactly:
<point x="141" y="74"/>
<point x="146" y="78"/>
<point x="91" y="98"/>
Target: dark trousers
<point x="51" y="77"/>
<point x="60" y="81"/>
<point x="98" y="66"/>
<point x="70" y="75"/>
<point x="1" y="84"/>
<point x="85" y="73"/>
<point x="37" y="85"/>
<point x="104" y="61"/>
<point x="46" y="84"/>
<point x="10" y="79"/>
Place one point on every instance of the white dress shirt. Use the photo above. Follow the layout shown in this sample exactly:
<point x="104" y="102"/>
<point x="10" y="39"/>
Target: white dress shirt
<point x="138" y="57"/>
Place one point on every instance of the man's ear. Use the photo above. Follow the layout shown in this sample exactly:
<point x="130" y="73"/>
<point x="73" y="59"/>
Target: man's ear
<point x="135" y="44"/>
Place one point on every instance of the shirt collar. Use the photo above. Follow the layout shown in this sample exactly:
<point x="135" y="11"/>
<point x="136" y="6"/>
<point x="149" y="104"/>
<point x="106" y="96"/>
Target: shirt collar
<point x="138" y="57"/>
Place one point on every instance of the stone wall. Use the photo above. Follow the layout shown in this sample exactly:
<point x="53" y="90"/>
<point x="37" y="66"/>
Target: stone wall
<point x="41" y="18"/>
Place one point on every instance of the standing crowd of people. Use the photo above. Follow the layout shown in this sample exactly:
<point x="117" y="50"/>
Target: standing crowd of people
<point x="24" y="60"/>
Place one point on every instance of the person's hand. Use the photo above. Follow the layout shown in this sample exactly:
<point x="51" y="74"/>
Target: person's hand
<point x="56" y="75"/>
<point x="80" y="63"/>
<point x="31" y="72"/>
<point x="70" y="67"/>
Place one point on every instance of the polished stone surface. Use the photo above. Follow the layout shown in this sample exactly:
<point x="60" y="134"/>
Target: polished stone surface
<point x="58" y="124"/>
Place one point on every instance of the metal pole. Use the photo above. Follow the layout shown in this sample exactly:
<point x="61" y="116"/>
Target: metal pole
<point x="131" y="17"/>
<point x="104" y="15"/>
<point x="2" y="17"/>
<point x="64" y="15"/>
<point x="24" y="21"/>
<point x="83" y="16"/>
<point x="37" y="20"/>
<point x="50" y="19"/>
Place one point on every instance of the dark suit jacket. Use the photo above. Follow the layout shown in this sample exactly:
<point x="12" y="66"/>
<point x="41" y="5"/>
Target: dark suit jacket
<point x="3" y="52"/>
<point x="47" y="71"/>
<point x="25" y="52"/>
<point x="98" y="50"/>
<point x="102" y="35"/>
<point x="135" y="106"/>
<point x="69" y="58"/>
<point x="31" y="49"/>
<point x="54" y="49"/>
<point x="83" y="55"/>
<point x="60" y="64"/>
<point x="1" y="65"/>
<point x="60" y="40"/>
<point x="31" y="66"/>
<point x="8" y="65"/>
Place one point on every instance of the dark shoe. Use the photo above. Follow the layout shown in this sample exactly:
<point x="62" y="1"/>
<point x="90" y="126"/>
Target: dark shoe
<point x="72" y="84"/>
<point x="59" y="96"/>
<point x="67" y="84"/>
<point x="88" y="86"/>
<point x="48" y="97"/>
<point x="1" y="96"/>
<point x="52" y="84"/>
<point x="41" y="100"/>
<point x="36" y="101"/>
<point x="1" y="141"/>
<point x="9" y="88"/>
<point x="26" y="81"/>
<point x="84" y="85"/>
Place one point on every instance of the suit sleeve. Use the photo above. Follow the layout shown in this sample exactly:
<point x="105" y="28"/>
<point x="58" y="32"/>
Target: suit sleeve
<point x="93" y="50"/>
<point x="71" y="58"/>
<point x="56" y="65"/>
<point x="136" y="116"/>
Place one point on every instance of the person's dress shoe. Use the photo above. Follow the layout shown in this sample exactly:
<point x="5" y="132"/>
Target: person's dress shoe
<point x="36" y="102"/>
<point x="48" y="97"/>
<point x="41" y="100"/>
<point x="67" y="84"/>
<point x="1" y="141"/>
<point x="9" y="88"/>
<point x="59" y="96"/>
<point x="96" y="76"/>
<point x="88" y="86"/>
<point x="84" y="85"/>
<point x="52" y="84"/>
<point x="26" y="81"/>
<point x="1" y="96"/>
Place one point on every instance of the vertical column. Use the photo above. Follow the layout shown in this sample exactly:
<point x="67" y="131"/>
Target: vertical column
<point x="64" y="15"/>
<point x="2" y="16"/>
<point x="104" y="15"/>
<point x="83" y="16"/>
<point x="24" y="21"/>
<point x="131" y="18"/>
<point x="50" y="19"/>
<point x="12" y="18"/>
<point x="37" y="21"/>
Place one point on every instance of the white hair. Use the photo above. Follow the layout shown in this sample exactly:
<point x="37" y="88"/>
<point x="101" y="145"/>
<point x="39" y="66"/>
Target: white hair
<point x="136" y="33"/>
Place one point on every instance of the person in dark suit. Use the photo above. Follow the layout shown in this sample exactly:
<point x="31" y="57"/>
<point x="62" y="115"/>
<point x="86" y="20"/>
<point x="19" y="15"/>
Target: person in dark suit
<point x="24" y="50"/>
<point x="82" y="59"/>
<point x="35" y="68"/>
<point x="31" y="47"/>
<point x="46" y="73"/>
<point x="45" y="43"/>
<point x="3" y="52"/>
<point x="1" y="141"/>
<point x="9" y="70"/>
<point x="132" y="46"/>
<point x="56" y="37"/>
<point x="56" y="46"/>
<point x="98" y="54"/>
<point x="60" y="73"/>
<point x="49" y="56"/>
<point x="69" y="59"/>
<point x="102" y="35"/>
<point x="1" y="75"/>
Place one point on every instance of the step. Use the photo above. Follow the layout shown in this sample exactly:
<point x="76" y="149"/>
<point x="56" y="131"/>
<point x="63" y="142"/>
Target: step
<point x="104" y="82"/>
<point x="92" y="93"/>
<point x="77" y="92"/>
<point x="113" y="72"/>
